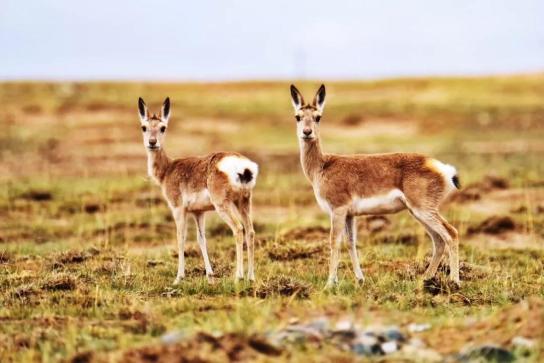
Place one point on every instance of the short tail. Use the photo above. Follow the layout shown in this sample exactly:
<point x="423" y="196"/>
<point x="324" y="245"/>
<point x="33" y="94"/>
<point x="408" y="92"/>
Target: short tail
<point x="246" y="176"/>
<point x="456" y="182"/>
<point x="448" y="172"/>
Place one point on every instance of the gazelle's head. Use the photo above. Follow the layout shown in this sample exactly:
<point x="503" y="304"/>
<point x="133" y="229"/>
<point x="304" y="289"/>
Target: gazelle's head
<point x="308" y="115"/>
<point x="154" y="126"/>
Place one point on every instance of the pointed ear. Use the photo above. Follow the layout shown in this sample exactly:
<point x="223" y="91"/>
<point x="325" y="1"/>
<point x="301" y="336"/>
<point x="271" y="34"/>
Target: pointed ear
<point x="319" y="99"/>
<point x="142" y="109"/>
<point x="296" y="98"/>
<point x="165" y="110"/>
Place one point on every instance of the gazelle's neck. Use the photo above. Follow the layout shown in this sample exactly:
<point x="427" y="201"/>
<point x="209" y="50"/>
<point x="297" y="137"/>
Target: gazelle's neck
<point x="157" y="164"/>
<point x="311" y="158"/>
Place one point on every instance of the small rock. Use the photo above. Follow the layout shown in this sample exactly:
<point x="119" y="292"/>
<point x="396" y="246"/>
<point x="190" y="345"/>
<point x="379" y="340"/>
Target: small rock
<point x="294" y="320"/>
<point x="523" y="342"/>
<point x="320" y="324"/>
<point x="390" y="347"/>
<point x="366" y="339"/>
<point x="418" y="328"/>
<point x="343" y="325"/>
<point x="172" y="337"/>
<point x="487" y="352"/>
<point x="153" y="263"/>
<point x="420" y="354"/>
<point x="416" y="343"/>
<point x="367" y="350"/>
<point x="394" y="334"/>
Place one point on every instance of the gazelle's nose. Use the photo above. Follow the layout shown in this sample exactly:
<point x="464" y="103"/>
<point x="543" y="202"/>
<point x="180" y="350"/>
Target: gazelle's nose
<point x="152" y="142"/>
<point x="307" y="132"/>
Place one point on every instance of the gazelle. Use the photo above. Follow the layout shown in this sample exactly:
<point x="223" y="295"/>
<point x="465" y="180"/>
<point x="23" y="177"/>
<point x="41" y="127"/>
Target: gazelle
<point x="346" y="186"/>
<point x="194" y="185"/>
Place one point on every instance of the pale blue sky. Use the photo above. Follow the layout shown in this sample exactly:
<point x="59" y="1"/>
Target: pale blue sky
<point x="281" y="39"/>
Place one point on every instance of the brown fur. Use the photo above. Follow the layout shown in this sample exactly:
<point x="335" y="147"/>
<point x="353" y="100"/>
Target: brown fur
<point x="388" y="183"/>
<point x="195" y="185"/>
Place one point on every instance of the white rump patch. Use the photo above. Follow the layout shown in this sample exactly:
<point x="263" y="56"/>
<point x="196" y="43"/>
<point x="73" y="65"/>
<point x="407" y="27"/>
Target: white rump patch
<point x="234" y="166"/>
<point x="391" y="202"/>
<point x="447" y="171"/>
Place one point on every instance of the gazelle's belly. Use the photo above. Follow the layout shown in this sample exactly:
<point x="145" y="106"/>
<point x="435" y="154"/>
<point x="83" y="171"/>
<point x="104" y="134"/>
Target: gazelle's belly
<point x="198" y="201"/>
<point x="387" y="203"/>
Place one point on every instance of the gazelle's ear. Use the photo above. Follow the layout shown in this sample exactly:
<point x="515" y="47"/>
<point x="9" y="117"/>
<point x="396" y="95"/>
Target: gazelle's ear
<point x="165" y="110"/>
<point x="319" y="99"/>
<point x="142" y="109"/>
<point x="296" y="98"/>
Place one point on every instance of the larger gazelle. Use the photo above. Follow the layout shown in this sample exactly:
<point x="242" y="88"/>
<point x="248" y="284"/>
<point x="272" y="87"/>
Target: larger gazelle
<point x="221" y="181"/>
<point x="346" y="186"/>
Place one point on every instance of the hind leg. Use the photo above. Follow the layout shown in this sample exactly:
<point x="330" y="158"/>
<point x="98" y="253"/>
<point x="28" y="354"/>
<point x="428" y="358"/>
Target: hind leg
<point x="439" y="236"/>
<point x="229" y="213"/>
<point x="453" y="250"/>
<point x="249" y="233"/>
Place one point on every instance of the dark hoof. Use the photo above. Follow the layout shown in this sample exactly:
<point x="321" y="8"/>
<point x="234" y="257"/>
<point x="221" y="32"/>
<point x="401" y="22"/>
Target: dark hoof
<point x="435" y="286"/>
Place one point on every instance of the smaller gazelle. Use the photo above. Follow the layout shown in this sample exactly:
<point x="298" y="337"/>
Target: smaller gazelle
<point x="194" y="185"/>
<point x="346" y="186"/>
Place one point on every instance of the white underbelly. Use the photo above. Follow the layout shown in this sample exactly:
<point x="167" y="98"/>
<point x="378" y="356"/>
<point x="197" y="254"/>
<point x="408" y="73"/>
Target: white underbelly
<point x="197" y="201"/>
<point x="390" y="202"/>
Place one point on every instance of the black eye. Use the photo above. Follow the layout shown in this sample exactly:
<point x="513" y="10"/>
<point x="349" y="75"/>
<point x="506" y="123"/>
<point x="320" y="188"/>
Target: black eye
<point x="317" y="118"/>
<point x="163" y="129"/>
<point x="297" y="117"/>
<point x="144" y="129"/>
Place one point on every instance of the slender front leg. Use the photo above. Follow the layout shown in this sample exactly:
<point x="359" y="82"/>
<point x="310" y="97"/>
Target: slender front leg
<point x="351" y="233"/>
<point x="338" y="222"/>
<point x="201" y="238"/>
<point x="228" y="213"/>
<point x="180" y="216"/>
<point x="249" y="235"/>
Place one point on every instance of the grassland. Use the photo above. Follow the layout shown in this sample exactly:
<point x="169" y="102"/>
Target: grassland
<point x="87" y="252"/>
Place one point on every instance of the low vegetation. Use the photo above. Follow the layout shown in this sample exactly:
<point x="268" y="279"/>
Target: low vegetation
<point x="87" y="251"/>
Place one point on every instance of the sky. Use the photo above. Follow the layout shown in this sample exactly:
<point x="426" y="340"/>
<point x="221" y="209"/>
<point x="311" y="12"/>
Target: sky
<point x="207" y="40"/>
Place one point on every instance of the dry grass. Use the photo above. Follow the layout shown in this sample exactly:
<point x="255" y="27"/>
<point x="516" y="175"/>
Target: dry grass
<point x="86" y="242"/>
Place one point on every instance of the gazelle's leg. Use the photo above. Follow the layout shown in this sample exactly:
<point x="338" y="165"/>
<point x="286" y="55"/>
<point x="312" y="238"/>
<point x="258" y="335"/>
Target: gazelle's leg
<point x="180" y="217"/>
<point x="229" y="214"/>
<point x="201" y="238"/>
<point x="351" y="234"/>
<point x="249" y="234"/>
<point x="453" y="244"/>
<point x="439" y="235"/>
<point x="338" y="222"/>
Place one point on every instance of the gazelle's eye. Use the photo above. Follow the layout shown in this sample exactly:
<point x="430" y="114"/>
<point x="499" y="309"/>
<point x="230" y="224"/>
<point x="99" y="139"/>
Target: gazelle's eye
<point x="317" y="118"/>
<point x="144" y="129"/>
<point x="163" y="129"/>
<point x="297" y="117"/>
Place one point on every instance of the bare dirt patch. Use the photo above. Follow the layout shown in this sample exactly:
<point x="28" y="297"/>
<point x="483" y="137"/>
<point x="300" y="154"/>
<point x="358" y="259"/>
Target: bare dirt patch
<point x="37" y="195"/>
<point x="524" y="319"/>
<point x="293" y="251"/>
<point x="315" y="233"/>
<point x="494" y="225"/>
<point x="356" y="127"/>
<point x="474" y="191"/>
<point x="60" y="282"/>
<point x="283" y="286"/>
<point x="204" y="347"/>
<point x="5" y="257"/>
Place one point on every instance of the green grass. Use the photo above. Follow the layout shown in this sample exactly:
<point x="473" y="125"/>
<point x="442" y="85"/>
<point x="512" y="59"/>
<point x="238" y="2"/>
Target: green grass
<point x="90" y="267"/>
